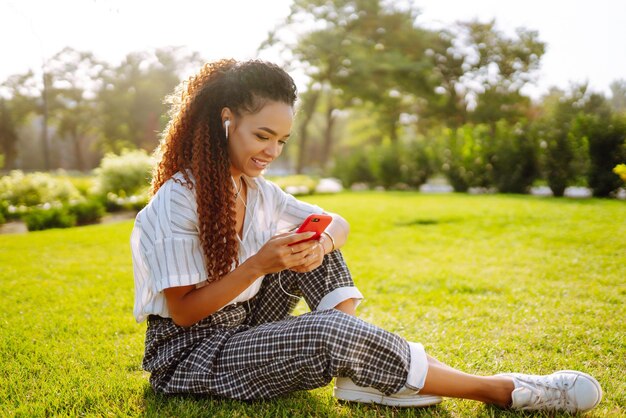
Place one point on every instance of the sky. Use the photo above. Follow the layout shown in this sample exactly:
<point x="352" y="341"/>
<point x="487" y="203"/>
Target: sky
<point x="586" y="39"/>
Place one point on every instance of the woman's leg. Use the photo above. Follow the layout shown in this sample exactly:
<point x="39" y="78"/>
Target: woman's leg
<point x="566" y="390"/>
<point x="332" y="282"/>
<point x="328" y="286"/>
<point x="444" y="380"/>
<point x="306" y="352"/>
<point x="347" y="306"/>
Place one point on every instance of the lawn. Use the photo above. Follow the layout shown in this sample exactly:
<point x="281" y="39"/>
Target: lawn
<point x="488" y="283"/>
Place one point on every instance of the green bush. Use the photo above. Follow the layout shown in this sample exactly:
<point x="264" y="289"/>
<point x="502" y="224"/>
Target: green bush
<point x="123" y="175"/>
<point x="46" y="218"/>
<point x="87" y="212"/>
<point x="84" y="184"/>
<point x="563" y="148"/>
<point x="114" y="203"/>
<point x="607" y="148"/>
<point x="4" y="211"/>
<point x="386" y="165"/>
<point x="466" y="158"/>
<point x="355" y="167"/>
<point x="420" y="162"/>
<point x="29" y="190"/>
<point x="514" y="159"/>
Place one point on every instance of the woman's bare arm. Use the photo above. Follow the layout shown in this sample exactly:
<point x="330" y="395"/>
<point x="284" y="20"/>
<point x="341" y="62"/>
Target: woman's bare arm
<point x="188" y="304"/>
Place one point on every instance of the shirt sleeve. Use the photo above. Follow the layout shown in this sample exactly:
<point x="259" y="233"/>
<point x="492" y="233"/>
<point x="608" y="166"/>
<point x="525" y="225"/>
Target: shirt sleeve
<point x="291" y="211"/>
<point x="177" y="258"/>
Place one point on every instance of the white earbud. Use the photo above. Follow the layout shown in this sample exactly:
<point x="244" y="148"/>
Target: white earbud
<point x="226" y="126"/>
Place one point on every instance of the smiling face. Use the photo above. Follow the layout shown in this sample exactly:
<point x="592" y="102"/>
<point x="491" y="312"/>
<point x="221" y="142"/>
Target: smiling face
<point x="256" y="139"/>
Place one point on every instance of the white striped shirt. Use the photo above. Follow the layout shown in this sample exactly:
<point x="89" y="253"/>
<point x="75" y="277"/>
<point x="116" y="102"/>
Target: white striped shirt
<point x="166" y="247"/>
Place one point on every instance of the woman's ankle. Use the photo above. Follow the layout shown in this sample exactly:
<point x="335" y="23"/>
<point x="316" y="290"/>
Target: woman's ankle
<point x="501" y="391"/>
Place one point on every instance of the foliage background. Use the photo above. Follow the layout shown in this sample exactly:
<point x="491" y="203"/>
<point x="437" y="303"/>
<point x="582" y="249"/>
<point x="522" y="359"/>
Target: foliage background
<point x="420" y="103"/>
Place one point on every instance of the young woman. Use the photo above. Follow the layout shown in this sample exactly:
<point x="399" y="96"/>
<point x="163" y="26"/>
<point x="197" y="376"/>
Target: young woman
<point x="217" y="278"/>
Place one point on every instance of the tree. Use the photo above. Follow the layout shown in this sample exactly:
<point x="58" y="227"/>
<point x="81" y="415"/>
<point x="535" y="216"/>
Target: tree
<point x="88" y="101"/>
<point x="559" y="146"/>
<point x="371" y="54"/>
<point x="606" y="136"/>
<point x="446" y="104"/>
<point x="570" y="121"/>
<point x="618" y="96"/>
<point x="387" y="63"/>
<point x="320" y="53"/>
<point x="8" y="136"/>
<point x="131" y="96"/>
<point x="513" y="158"/>
<point x="360" y="52"/>
<point x="496" y="70"/>
<point x="74" y="80"/>
<point x="309" y="100"/>
<point x="21" y="91"/>
<point x="466" y="156"/>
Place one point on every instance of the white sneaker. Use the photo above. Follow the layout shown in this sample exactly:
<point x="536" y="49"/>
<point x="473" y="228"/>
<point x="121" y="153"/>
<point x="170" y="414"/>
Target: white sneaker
<point x="346" y="390"/>
<point x="565" y="390"/>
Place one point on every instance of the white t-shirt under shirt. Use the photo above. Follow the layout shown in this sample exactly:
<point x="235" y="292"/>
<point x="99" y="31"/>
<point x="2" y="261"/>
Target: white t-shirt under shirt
<point x="166" y="247"/>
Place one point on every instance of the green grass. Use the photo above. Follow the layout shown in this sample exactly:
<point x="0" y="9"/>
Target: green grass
<point x="488" y="283"/>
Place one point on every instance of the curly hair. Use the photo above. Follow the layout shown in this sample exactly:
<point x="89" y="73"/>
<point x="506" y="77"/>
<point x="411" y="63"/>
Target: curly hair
<point x="194" y="143"/>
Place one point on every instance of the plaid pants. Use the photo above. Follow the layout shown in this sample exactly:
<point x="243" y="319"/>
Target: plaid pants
<point x="259" y="350"/>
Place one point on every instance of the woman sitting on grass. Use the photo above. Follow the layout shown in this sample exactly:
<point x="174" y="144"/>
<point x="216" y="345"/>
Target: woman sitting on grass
<point x="217" y="280"/>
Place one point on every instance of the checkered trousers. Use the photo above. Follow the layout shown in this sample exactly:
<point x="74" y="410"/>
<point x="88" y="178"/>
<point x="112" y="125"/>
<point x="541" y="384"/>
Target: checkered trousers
<point x="259" y="350"/>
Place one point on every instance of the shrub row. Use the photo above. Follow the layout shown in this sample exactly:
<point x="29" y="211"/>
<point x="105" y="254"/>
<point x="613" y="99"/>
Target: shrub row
<point x="44" y="200"/>
<point x="502" y="156"/>
<point x="64" y="216"/>
<point x="57" y="215"/>
<point x="398" y="165"/>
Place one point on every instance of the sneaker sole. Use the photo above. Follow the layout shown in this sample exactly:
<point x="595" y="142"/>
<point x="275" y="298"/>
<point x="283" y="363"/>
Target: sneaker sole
<point x="366" y="397"/>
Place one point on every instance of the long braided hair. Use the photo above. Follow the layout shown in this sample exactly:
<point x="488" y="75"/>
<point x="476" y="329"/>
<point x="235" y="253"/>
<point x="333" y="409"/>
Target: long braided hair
<point x="194" y="142"/>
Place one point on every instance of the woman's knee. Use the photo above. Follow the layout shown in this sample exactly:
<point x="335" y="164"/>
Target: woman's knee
<point x="329" y="323"/>
<point x="336" y="331"/>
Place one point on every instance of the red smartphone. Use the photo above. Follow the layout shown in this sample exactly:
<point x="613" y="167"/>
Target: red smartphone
<point x="316" y="223"/>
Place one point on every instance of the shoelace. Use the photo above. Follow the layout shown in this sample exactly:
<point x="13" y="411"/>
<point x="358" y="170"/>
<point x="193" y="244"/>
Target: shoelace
<point x="549" y="392"/>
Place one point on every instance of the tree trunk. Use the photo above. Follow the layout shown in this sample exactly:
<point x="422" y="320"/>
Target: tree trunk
<point x="78" y="152"/>
<point x="8" y="137"/>
<point x="44" y="123"/>
<point x="328" y="133"/>
<point x="308" y="107"/>
<point x="393" y="132"/>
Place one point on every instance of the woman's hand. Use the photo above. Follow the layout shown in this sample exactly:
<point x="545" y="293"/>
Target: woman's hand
<point x="312" y="257"/>
<point x="277" y="254"/>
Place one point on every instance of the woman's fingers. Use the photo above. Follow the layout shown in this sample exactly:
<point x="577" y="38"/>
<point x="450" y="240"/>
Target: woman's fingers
<point x="303" y="246"/>
<point x="308" y="258"/>
<point x="292" y="238"/>
<point x="288" y="250"/>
